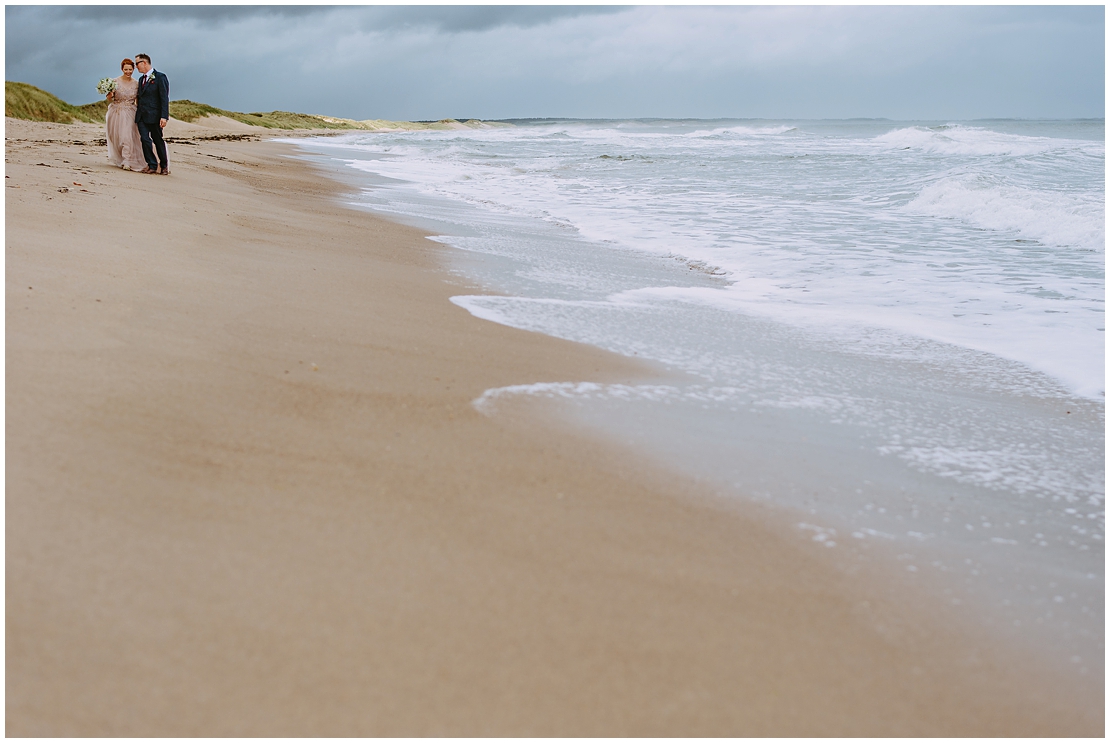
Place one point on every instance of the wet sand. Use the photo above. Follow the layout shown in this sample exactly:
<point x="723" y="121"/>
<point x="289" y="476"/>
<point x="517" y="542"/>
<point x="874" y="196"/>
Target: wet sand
<point x="247" y="495"/>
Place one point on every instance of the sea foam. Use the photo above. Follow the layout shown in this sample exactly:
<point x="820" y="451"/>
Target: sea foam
<point x="895" y="328"/>
<point x="954" y="139"/>
<point x="1058" y="220"/>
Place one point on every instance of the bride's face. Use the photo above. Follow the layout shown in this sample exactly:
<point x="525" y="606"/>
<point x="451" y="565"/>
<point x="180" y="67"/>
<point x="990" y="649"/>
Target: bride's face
<point x="127" y="70"/>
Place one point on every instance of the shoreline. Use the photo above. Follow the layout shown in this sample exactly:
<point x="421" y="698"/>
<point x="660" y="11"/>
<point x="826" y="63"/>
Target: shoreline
<point x="248" y="494"/>
<point x="858" y="499"/>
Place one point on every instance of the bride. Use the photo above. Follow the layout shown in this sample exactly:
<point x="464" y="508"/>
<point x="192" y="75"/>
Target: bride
<point x="125" y="149"/>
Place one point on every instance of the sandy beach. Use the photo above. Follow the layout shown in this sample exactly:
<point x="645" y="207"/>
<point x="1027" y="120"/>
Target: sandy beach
<point x="247" y="494"/>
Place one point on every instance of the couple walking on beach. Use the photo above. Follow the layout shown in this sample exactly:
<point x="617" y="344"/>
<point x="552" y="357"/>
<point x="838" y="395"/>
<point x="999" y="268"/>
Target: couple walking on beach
<point x="138" y="110"/>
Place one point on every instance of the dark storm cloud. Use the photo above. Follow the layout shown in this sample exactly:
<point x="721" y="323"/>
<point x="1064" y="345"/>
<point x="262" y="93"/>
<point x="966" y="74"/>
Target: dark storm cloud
<point x="210" y="14"/>
<point x="447" y="18"/>
<point x="36" y="31"/>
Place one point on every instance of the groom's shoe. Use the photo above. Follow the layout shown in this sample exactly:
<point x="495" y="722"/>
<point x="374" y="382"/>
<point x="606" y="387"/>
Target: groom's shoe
<point x="148" y="169"/>
<point x="164" y="171"/>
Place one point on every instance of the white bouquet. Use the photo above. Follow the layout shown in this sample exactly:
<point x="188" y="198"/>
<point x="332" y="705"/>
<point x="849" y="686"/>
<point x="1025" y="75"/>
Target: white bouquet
<point x="106" y="85"/>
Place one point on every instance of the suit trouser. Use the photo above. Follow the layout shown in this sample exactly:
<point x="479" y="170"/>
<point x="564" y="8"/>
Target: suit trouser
<point x="151" y="136"/>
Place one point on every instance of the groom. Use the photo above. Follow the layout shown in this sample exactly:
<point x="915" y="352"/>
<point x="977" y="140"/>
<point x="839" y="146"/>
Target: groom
<point x="152" y="113"/>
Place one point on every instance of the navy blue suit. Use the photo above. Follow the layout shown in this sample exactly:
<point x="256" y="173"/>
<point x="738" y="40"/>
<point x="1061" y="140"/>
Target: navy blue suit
<point x="153" y="104"/>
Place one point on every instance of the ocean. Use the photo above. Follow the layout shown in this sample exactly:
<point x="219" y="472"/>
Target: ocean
<point x="892" y="331"/>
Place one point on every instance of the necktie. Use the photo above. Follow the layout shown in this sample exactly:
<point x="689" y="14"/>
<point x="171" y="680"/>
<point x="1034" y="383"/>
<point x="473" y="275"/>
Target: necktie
<point x="143" y="81"/>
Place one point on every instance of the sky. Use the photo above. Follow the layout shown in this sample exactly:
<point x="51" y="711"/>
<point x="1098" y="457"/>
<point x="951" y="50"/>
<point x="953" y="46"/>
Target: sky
<point x="498" y="62"/>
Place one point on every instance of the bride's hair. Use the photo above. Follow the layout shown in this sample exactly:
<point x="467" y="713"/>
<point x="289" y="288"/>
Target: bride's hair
<point x="126" y="62"/>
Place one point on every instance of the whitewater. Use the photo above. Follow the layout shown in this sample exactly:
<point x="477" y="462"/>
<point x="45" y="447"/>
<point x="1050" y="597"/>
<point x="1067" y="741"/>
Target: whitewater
<point x="893" y="329"/>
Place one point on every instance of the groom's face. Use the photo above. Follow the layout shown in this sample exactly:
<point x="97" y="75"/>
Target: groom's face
<point x="142" y="66"/>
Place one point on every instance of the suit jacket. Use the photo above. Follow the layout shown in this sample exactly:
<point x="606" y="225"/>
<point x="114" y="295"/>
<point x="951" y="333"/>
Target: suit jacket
<point x="154" y="99"/>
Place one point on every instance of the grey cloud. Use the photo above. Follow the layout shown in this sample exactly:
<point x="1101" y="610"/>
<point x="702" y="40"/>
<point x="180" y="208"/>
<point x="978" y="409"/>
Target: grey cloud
<point x="444" y="18"/>
<point x="205" y="14"/>
<point x="455" y="18"/>
<point x="66" y="17"/>
<point x="503" y="61"/>
<point x="34" y="33"/>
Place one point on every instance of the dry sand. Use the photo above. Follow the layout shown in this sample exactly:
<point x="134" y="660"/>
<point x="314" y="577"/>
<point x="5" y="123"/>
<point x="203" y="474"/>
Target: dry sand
<point x="247" y="495"/>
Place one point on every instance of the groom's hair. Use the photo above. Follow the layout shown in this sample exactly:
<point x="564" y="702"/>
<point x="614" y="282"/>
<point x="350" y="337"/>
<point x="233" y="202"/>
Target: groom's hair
<point x="143" y="56"/>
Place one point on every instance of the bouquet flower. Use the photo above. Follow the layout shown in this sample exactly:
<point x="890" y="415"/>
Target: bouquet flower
<point x="106" y="85"/>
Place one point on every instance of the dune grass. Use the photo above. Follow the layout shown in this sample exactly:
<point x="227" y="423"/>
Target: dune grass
<point x="23" y="101"/>
<point x="186" y="110"/>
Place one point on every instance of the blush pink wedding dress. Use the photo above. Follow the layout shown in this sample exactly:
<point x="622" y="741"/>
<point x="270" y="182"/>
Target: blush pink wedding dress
<point x="125" y="149"/>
